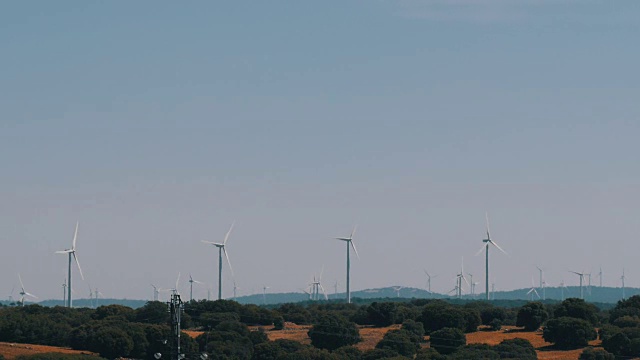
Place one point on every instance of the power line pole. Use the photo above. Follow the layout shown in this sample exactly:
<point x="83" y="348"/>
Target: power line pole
<point x="175" y="309"/>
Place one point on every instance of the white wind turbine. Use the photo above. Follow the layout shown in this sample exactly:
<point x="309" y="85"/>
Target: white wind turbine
<point x="264" y="294"/>
<point x="623" y="278"/>
<point x="429" y="280"/>
<point x="581" y="274"/>
<point x="485" y="247"/>
<point x="350" y="245"/>
<point x="72" y="252"/>
<point x="191" y="281"/>
<point x="542" y="283"/>
<point x="459" y="278"/>
<point x="23" y="292"/>
<point x="397" y="289"/>
<point x="222" y="248"/>
<point x="533" y="290"/>
<point x="562" y="288"/>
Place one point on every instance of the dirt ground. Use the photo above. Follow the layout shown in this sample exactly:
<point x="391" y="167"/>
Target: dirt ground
<point x="371" y="336"/>
<point x="11" y="350"/>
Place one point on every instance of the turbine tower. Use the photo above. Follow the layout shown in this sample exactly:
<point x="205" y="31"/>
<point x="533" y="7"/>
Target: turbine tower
<point x="264" y="294"/>
<point x="191" y="281"/>
<point x="600" y="276"/>
<point x="485" y="247"/>
<point x="622" y="278"/>
<point x="221" y="248"/>
<point x="429" y="280"/>
<point x="72" y="253"/>
<point x="542" y="283"/>
<point x="23" y="293"/>
<point x="397" y="289"/>
<point x="582" y="274"/>
<point x="350" y="245"/>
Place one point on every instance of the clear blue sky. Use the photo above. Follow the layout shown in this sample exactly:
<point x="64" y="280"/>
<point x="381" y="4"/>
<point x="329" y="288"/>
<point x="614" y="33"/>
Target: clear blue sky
<point x="157" y="124"/>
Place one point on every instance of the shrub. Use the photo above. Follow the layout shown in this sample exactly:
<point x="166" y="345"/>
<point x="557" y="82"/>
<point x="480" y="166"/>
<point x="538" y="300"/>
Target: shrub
<point x="596" y="354"/>
<point x="278" y="323"/>
<point x="531" y="316"/>
<point x="627" y="321"/>
<point x="429" y="354"/>
<point x="577" y="308"/>
<point x="447" y="340"/>
<point x="516" y="348"/>
<point x="617" y="344"/>
<point x="332" y="332"/>
<point x="382" y="314"/>
<point x="400" y="341"/>
<point x="495" y="325"/>
<point x="569" y="332"/>
<point x="475" y="352"/>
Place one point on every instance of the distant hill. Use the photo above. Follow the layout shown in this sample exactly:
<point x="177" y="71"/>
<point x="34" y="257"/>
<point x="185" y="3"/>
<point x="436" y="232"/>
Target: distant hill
<point x="594" y="294"/>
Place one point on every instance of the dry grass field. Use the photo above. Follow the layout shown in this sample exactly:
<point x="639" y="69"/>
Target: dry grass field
<point x="370" y="337"/>
<point x="11" y="350"/>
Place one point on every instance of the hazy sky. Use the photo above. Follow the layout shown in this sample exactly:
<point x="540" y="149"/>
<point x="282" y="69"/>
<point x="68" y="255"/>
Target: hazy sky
<point x="157" y="124"/>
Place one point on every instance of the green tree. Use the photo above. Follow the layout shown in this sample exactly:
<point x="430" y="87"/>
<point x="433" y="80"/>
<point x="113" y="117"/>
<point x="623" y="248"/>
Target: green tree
<point x="447" y="340"/>
<point x="475" y="352"/>
<point x="569" y="332"/>
<point x="333" y="331"/>
<point x="516" y="348"/>
<point x="596" y="354"/>
<point x="382" y="314"/>
<point x="577" y="308"/>
<point x="401" y="341"/>
<point x="429" y="354"/>
<point x="617" y="344"/>
<point x="112" y="342"/>
<point x="531" y="316"/>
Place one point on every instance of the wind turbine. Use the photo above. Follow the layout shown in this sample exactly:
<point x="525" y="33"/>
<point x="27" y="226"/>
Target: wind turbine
<point x="542" y="283"/>
<point x="397" y="289"/>
<point x="72" y="252"/>
<point x="562" y="287"/>
<point x="429" y="280"/>
<point x="235" y="288"/>
<point x="24" y="293"/>
<point x="533" y="290"/>
<point x="600" y="276"/>
<point x="459" y="278"/>
<point x="221" y="248"/>
<point x="622" y="278"/>
<point x="64" y="292"/>
<point x="350" y="245"/>
<point x="316" y="286"/>
<point x="264" y="294"/>
<point x="582" y="274"/>
<point x="485" y="247"/>
<point x="191" y="281"/>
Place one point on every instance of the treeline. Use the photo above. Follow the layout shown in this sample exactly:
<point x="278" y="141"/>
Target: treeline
<point x="425" y="329"/>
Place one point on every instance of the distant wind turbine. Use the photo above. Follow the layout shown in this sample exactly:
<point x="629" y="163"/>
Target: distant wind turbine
<point x="221" y="248"/>
<point x="581" y="274"/>
<point x="623" y="278"/>
<point x="533" y="290"/>
<point x="397" y="289"/>
<point x="485" y="247"/>
<point x="542" y="283"/>
<point x="23" y="292"/>
<point x="429" y="280"/>
<point x="350" y="245"/>
<point x="72" y="252"/>
<point x="264" y="294"/>
<point x="191" y="281"/>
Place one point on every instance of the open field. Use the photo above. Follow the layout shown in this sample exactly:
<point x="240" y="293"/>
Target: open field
<point x="11" y="350"/>
<point x="371" y="336"/>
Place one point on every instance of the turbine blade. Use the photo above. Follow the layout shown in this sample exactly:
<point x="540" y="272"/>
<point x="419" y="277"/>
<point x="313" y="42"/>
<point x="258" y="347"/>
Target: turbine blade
<point x="343" y="239"/>
<point x="353" y="232"/>
<point x="21" y="284"/>
<point x="78" y="263"/>
<point x="177" y="281"/>
<point x="486" y="216"/>
<point x="354" y="248"/>
<point x="33" y="296"/>
<point x="498" y="246"/>
<point x="207" y="242"/>
<point x="63" y="252"/>
<point x="228" y="261"/>
<point x="321" y="272"/>
<point x="226" y="237"/>
<point x="481" y="250"/>
<point x="75" y="236"/>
